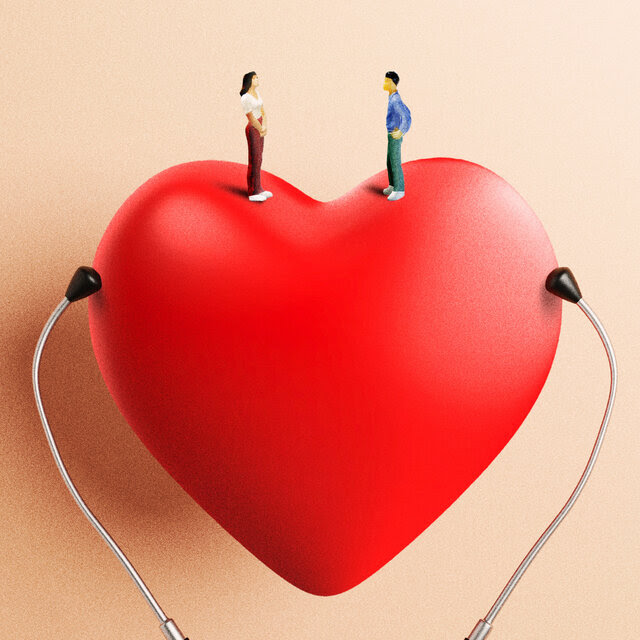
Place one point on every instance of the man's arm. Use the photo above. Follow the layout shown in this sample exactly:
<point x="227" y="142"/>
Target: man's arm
<point x="402" y="112"/>
<point x="405" y="119"/>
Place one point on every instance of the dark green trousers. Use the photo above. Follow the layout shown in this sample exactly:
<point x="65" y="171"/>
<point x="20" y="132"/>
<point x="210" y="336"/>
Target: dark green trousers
<point x="394" y="163"/>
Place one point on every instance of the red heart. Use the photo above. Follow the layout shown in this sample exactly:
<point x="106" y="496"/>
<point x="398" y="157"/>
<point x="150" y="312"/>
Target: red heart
<point x="325" y="379"/>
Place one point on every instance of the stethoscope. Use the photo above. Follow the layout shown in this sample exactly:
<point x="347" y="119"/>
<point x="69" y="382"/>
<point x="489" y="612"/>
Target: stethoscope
<point x="560" y="282"/>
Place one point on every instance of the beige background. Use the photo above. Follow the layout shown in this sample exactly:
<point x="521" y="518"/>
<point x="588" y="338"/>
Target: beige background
<point x="97" y="97"/>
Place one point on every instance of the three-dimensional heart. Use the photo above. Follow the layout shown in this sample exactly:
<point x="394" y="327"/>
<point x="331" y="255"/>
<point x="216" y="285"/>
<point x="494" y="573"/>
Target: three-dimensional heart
<point x="325" y="379"/>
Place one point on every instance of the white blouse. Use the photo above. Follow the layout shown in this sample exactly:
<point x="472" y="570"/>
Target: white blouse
<point x="249" y="103"/>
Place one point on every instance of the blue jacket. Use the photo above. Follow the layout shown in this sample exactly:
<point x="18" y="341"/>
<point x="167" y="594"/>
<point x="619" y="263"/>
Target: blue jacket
<point x="398" y="114"/>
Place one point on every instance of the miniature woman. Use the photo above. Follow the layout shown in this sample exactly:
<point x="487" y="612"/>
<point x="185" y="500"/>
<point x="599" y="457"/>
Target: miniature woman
<point x="256" y="131"/>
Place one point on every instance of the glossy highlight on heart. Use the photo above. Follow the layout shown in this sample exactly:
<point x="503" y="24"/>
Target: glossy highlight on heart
<point x="325" y="378"/>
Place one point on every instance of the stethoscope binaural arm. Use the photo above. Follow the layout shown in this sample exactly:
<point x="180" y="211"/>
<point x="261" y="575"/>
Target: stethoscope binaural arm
<point x="85" y="282"/>
<point x="561" y="283"/>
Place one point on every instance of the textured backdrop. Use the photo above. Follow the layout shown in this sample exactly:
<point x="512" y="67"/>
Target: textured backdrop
<point x="98" y="97"/>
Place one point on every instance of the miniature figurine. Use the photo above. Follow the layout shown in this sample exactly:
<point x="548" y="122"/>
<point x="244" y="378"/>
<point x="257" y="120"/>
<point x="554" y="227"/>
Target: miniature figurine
<point x="256" y="130"/>
<point x="398" y="123"/>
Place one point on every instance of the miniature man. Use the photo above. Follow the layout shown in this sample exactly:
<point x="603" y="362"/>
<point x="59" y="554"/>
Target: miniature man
<point x="398" y="123"/>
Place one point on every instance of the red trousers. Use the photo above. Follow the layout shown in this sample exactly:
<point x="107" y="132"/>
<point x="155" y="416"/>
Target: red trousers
<point x="256" y="145"/>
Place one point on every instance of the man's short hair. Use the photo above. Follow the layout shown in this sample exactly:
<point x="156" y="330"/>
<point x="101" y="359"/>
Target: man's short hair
<point x="395" y="78"/>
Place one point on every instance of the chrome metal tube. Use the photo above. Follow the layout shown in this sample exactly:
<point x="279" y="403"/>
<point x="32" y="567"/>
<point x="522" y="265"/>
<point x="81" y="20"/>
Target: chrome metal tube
<point x="171" y="632"/>
<point x="67" y="479"/>
<point x="493" y="612"/>
<point x="480" y="631"/>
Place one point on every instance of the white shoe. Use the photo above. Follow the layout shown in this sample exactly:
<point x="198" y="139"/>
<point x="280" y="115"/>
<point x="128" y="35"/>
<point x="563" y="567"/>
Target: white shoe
<point x="395" y="195"/>
<point x="388" y="190"/>
<point x="258" y="197"/>
<point x="266" y="194"/>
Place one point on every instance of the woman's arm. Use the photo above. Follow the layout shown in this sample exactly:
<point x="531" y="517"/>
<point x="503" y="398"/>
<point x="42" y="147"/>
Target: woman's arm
<point x="255" y="122"/>
<point x="264" y="122"/>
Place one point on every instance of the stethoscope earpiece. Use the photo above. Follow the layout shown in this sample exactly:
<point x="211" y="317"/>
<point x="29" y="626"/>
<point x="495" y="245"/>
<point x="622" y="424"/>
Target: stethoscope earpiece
<point x="562" y="283"/>
<point x="84" y="283"/>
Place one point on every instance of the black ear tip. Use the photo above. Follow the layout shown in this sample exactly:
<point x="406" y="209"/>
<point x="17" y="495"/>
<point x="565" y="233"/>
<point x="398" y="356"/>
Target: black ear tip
<point x="562" y="283"/>
<point x="85" y="282"/>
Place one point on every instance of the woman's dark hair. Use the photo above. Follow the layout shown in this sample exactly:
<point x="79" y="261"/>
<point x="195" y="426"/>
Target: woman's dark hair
<point x="395" y="78"/>
<point x="246" y="82"/>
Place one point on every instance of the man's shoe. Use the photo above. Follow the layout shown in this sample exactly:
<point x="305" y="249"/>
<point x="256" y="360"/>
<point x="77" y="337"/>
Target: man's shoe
<point x="266" y="194"/>
<point x="388" y="190"/>
<point x="258" y="197"/>
<point x="395" y="195"/>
